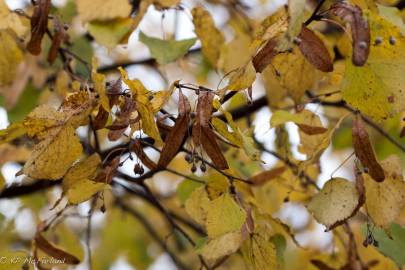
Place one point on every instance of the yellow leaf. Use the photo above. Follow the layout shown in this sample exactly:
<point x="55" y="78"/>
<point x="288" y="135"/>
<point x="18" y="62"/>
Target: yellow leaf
<point x="292" y="72"/>
<point x="12" y="132"/>
<point x="335" y="202"/>
<point x="144" y="106"/>
<point x="259" y="253"/>
<point x="220" y="247"/>
<point x="196" y="205"/>
<point x="2" y="182"/>
<point x="242" y="79"/>
<point x="162" y="97"/>
<point x="10" y="20"/>
<point x="10" y="57"/>
<point x="59" y="146"/>
<point x="314" y="145"/>
<point x="99" y="85"/>
<point x="385" y="200"/>
<point x="224" y="215"/>
<point x="377" y="88"/>
<point x="231" y="58"/>
<point x="102" y="10"/>
<point x="52" y="157"/>
<point x="83" y="190"/>
<point x="211" y="38"/>
<point x="85" y="169"/>
<point x="304" y="117"/>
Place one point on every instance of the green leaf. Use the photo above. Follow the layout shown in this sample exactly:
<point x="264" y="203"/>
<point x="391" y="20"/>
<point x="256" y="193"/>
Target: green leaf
<point x="185" y="189"/>
<point x="26" y="103"/>
<point x="110" y="33"/>
<point x="224" y="215"/>
<point x="166" y="51"/>
<point x="391" y="247"/>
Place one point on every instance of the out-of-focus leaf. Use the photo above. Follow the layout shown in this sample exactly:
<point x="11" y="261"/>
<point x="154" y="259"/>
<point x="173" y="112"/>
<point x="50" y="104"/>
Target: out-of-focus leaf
<point x="385" y="200"/>
<point x="305" y="120"/>
<point x="11" y="20"/>
<point x="12" y="132"/>
<point x="391" y="245"/>
<point x="211" y="38"/>
<point x="39" y="25"/>
<point x="109" y="33"/>
<point x="336" y="202"/>
<point x="359" y="28"/>
<point x="55" y="252"/>
<point x="185" y="188"/>
<point x="166" y="51"/>
<point x="26" y="103"/>
<point x="102" y="10"/>
<point x="263" y="177"/>
<point x="10" y="57"/>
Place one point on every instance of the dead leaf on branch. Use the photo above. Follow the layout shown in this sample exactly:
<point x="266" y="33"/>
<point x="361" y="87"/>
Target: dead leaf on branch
<point x="123" y="119"/>
<point x="39" y="25"/>
<point x="202" y="133"/>
<point x="364" y="150"/>
<point x="59" y="37"/>
<point x="353" y="15"/>
<point x="176" y="135"/>
<point x="54" y="251"/>
<point x="314" y="50"/>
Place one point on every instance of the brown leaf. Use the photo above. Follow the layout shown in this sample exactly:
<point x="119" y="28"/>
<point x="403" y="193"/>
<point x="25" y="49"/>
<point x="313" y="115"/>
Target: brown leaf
<point x="123" y="119"/>
<point x="263" y="58"/>
<point x="101" y="118"/>
<point x="264" y="177"/>
<point x="359" y="27"/>
<point x="314" y="50"/>
<point x="364" y="150"/>
<point x="321" y="265"/>
<point x="110" y="170"/>
<point x="204" y="111"/>
<point x="209" y="143"/>
<point x="58" y="37"/>
<point x="402" y="134"/>
<point x="176" y="135"/>
<point x="39" y="24"/>
<point x="137" y="148"/>
<point x="54" y="251"/>
<point x="312" y="130"/>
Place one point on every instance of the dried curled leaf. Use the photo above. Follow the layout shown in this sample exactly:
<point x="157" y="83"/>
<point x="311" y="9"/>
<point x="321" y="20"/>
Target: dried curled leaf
<point x="58" y="38"/>
<point x="314" y="50"/>
<point x="263" y="58"/>
<point x="364" y="150"/>
<point x="202" y="133"/>
<point x="263" y="177"/>
<point x="54" y="251"/>
<point x="175" y="137"/>
<point x="353" y="15"/>
<point x="137" y="148"/>
<point x="337" y="201"/>
<point x="39" y="24"/>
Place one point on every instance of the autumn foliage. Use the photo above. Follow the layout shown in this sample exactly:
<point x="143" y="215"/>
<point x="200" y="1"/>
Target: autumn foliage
<point x="276" y="142"/>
